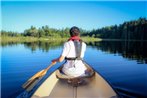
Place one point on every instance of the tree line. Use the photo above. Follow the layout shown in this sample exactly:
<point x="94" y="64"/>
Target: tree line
<point x="44" y="31"/>
<point x="135" y="29"/>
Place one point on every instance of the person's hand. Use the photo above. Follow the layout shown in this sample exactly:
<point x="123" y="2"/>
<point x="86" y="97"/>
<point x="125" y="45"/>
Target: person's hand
<point x="54" y="61"/>
<point x="87" y="71"/>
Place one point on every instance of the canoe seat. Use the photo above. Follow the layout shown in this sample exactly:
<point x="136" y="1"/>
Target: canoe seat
<point x="88" y="73"/>
<point x="61" y="75"/>
<point x="74" y="81"/>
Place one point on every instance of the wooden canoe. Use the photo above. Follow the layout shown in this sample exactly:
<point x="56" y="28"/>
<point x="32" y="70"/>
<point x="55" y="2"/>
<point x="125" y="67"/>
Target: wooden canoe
<point x="56" y="86"/>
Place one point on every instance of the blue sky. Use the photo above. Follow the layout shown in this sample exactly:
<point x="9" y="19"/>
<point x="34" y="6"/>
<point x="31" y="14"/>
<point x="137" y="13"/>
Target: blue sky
<point x="20" y="15"/>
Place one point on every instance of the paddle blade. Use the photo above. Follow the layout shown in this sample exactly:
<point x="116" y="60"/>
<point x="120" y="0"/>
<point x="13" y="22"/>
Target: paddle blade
<point x="34" y="78"/>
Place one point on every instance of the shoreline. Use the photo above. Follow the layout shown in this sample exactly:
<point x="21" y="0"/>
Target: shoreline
<point x="6" y="39"/>
<point x="48" y="39"/>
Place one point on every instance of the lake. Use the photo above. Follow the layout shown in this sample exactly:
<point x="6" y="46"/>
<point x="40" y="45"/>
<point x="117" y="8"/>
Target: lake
<point x="122" y="63"/>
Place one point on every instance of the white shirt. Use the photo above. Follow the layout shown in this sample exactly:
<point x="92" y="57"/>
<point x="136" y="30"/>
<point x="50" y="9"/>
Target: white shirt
<point x="73" y="67"/>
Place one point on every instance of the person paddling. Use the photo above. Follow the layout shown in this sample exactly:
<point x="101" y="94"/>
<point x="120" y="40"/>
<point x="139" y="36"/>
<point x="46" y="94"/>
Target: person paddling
<point x="73" y="52"/>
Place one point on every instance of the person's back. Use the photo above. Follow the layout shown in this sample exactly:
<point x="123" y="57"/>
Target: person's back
<point x="73" y="66"/>
<point x="69" y="49"/>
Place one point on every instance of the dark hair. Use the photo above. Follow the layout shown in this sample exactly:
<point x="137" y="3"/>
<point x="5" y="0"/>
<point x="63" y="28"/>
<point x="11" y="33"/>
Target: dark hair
<point x="74" y="31"/>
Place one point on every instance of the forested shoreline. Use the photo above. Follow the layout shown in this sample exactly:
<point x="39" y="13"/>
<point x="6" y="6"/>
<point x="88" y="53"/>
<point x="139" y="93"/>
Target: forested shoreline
<point x="44" y="31"/>
<point x="131" y="30"/>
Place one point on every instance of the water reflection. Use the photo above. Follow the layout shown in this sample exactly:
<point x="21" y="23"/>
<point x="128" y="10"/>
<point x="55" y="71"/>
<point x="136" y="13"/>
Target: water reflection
<point x="133" y="50"/>
<point x="127" y="78"/>
<point x="42" y="45"/>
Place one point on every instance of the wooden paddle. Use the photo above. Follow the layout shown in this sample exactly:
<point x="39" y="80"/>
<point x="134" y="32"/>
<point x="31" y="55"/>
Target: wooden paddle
<point x="36" y="78"/>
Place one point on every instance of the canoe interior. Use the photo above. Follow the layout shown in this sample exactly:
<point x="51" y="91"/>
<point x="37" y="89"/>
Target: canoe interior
<point x="94" y="87"/>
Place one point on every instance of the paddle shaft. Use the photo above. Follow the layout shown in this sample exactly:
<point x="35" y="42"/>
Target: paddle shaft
<point x="37" y="77"/>
<point x="45" y="70"/>
<point x="50" y="66"/>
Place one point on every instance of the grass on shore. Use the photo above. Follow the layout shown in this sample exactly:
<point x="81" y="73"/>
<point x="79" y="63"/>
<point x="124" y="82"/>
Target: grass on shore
<point x="49" y="39"/>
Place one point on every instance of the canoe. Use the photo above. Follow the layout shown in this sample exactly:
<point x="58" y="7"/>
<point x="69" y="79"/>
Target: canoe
<point x="57" y="85"/>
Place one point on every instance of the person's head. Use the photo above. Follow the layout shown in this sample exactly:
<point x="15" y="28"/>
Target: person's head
<point x="74" y="31"/>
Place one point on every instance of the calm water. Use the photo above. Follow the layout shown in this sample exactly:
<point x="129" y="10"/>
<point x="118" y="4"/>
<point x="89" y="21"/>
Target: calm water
<point x="122" y="64"/>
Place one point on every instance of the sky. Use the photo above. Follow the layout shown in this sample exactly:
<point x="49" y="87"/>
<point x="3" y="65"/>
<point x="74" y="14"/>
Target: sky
<point x="20" y="15"/>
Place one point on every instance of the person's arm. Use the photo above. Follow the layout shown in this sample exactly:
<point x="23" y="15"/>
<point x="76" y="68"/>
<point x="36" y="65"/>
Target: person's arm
<point x="63" y="54"/>
<point x="60" y="59"/>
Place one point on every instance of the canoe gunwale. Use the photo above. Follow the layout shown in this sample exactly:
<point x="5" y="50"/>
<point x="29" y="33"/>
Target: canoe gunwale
<point x="118" y="96"/>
